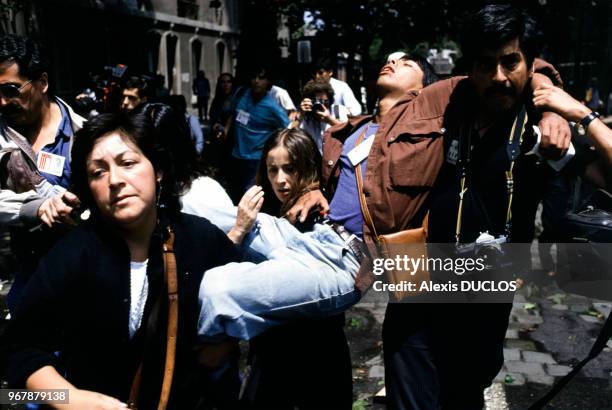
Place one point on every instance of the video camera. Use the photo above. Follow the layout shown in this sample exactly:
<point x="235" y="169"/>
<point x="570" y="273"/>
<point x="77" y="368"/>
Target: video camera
<point x="105" y="94"/>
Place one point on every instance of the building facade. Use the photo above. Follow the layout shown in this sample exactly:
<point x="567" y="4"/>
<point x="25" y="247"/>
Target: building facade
<point x="173" y="38"/>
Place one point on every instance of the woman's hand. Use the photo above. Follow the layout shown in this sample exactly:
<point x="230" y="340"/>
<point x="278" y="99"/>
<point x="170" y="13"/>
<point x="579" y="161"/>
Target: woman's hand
<point x="86" y="399"/>
<point x="48" y="378"/>
<point x="551" y="98"/>
<point x="324" y="116"/>
<point x="248" y="208"/>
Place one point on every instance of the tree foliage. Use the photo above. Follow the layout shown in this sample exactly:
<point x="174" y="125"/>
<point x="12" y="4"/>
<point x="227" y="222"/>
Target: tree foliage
<point x="576" y="32"/>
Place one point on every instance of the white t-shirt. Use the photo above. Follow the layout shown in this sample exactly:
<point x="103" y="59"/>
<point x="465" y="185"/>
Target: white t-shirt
<point x="139" y="290"/>
<point x="343" y="95"/>
<point x="281" y="96"/>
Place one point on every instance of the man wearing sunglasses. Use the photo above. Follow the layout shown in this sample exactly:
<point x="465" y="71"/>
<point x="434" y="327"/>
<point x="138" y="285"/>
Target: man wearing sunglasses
<point x="36" y="132"/>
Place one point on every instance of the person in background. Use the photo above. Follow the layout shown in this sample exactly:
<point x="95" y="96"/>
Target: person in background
<point x="343" y="95"/>
<point x="219" y="149"/>
<point x="255" y="117"/>
<point x="135" y="92"/>
<point x="317" y="113"/>
<point x="221" y="106"/>
<point x="201" y="88"/>
<point x="179" y="104"/>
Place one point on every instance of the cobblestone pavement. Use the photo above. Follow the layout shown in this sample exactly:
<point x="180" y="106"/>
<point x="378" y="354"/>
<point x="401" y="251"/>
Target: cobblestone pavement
<point x="549" y="332"/>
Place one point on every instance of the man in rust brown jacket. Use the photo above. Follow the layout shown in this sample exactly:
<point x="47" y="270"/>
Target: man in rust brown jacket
<point x="427" y="347"/>
<point x="443" y="356"/>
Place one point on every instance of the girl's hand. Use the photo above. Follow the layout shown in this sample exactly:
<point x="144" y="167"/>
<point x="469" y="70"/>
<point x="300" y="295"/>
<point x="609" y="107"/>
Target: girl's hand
<point x="248" y="208"/>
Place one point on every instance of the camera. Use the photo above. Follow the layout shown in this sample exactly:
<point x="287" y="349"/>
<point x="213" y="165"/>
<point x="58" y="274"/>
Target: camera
<point x="319" y="105"/>
<point x="487" y="247"/>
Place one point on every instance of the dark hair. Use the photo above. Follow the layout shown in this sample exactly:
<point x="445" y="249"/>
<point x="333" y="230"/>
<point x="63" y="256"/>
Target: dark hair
<point x="496" y="24"/>
<point x="140" y="84"/>
<point x="172" y="131"/>
<point x="178" y="103"/>
<point x="324" y="63"/>
<point x="305" y="159"/>
<point x="218" y="91"/>
<point x="140" y="130"/>
<point x="261" y="71"/>
<point x="429" y="76"/>
<point x="24" y="51"/>
<point x="313" y="87"/>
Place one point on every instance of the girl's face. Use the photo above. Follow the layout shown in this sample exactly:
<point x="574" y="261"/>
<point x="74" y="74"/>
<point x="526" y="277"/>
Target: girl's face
<point x="122" y="182"/>
<point x="226" y="84"/>
<point x="281" y="172"/>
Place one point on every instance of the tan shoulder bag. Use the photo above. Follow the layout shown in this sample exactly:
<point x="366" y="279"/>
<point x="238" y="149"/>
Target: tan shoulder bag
<point x="392" y="245"/>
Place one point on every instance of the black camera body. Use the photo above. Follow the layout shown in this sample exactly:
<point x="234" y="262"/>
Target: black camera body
<point x="319" y="105"/>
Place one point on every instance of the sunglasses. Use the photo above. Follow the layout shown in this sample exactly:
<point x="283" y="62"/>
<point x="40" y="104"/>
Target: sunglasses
<point x="11" y="90"/>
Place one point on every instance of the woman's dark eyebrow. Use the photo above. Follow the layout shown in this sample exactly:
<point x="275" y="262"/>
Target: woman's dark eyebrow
<point x="119" y="155"/>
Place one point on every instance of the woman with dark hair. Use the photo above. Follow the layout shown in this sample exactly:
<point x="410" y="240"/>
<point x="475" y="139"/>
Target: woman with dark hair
<point x="316" y="270"/>
<point x="101" y="295"/>
<point x="221" y="106"/>
<point x="219" y="149"/>
<point x="287" y="361"/>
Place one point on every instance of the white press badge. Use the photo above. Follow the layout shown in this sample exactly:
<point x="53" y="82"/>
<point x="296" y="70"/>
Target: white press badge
<point x="50" y="163"/>
<point x="361" y="151"/>
<point x="243" y="117"/>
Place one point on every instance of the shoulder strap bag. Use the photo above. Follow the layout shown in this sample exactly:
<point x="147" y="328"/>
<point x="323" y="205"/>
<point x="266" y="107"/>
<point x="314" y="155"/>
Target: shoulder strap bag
<point x="391" y="245"/>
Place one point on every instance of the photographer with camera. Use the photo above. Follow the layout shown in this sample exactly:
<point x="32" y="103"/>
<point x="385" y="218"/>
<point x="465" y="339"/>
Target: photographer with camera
<point x="317" y="113"/>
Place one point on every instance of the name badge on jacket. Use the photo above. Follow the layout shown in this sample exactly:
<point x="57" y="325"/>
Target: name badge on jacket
<point x="361" y="151"/>
<point x="50" y="163"/>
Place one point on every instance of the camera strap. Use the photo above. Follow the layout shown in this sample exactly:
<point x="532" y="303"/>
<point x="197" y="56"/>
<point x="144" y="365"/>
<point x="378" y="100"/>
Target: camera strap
<point x="598" y="346"/>
<point x="512" y="149"/>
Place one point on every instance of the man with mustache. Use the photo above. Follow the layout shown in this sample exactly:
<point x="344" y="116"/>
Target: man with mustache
<point x="442" y="356"/>
<point x="427" y="347"/>
<point x="36" y="132"/>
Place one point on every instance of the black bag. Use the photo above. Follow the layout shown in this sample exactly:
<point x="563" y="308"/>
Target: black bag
<point x="585" y="257"/>
<point x="585" y="262"/>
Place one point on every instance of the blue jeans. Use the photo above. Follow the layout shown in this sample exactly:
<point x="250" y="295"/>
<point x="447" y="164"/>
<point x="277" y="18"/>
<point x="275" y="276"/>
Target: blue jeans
<point x="305" y="275"/>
